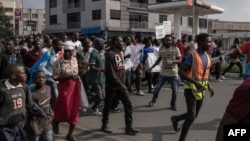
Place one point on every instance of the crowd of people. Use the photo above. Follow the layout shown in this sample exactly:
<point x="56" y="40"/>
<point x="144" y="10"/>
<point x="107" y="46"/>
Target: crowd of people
<point x="45" y="75"/>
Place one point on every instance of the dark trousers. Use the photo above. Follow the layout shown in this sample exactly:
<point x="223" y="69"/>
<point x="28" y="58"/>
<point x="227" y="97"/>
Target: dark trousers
<point x="193" y="108"/>
<point x="217" y="70"/>
<point x="124" y="97"/>
<point x="85" y="81"/>
<point x="12" y="133"/>
<point x="231" y="65"/>
<point x="152" y="79"/>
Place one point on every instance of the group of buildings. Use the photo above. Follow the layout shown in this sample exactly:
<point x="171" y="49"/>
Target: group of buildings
<point x="111" y="17"/>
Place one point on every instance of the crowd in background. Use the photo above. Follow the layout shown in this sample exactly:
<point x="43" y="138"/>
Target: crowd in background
<point x="48" y="60"/>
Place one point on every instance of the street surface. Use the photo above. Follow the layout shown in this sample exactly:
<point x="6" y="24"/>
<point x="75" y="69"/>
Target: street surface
<point x="154" y="122"/>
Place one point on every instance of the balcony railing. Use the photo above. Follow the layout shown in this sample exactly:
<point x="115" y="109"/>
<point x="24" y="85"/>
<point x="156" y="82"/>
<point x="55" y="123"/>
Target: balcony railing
<point x="74" y="5"/>
<point x="74" y="25"/>
<point x="135" y="24"/>
<point x="138" y="5"/>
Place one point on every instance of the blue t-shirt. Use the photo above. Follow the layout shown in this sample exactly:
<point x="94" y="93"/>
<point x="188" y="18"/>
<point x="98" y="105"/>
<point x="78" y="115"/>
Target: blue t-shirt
<point x="147" y="50"/>
<point x="189" y="59"/>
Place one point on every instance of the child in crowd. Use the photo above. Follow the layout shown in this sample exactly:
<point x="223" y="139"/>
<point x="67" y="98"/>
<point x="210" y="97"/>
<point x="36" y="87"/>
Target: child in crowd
<point x="15" y="99"/>
<point x="38" y="128"/>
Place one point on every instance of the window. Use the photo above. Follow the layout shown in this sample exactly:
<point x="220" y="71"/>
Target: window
<point x="73" y="3"/>
<point x="138" y="20"/>
<point x="163" y="18"/>
<point x="52" y="3"/>
<point x="203" y="23"/>
<point x="96" y="15"/>
<point x="115" y="14"/>
<point x="8" y="9"/>
<point x="25" y="15"/>
<point x="190" y="21"/>
<point x="53" y="19"/>
<point x="34" y="15"/>
<point x="74" y="20"/>
<point x="139" y="3"/>
<point x="10" y="17"/>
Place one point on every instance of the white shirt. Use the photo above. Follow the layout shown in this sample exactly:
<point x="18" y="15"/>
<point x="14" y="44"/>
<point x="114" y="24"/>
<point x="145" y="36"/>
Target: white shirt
<point x="128" y="63"/>
<point x="10" y="86"/>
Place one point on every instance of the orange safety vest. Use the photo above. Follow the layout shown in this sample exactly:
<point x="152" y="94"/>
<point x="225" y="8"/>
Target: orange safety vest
<point x="196" y="72"/>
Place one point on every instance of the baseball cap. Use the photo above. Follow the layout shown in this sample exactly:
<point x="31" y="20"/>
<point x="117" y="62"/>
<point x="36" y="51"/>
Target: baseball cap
<point x="99" y="40"/>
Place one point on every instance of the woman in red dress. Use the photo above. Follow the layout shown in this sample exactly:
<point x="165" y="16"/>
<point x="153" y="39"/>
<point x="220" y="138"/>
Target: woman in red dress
<point x="68" y="101"/>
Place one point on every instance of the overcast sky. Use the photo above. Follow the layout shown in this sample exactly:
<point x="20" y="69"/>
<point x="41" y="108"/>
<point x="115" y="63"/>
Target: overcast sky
<point x="234" y="10"/>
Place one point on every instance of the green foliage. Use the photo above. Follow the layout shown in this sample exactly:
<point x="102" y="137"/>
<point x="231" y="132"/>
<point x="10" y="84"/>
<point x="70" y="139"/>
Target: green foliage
<point x="6" y="29"/>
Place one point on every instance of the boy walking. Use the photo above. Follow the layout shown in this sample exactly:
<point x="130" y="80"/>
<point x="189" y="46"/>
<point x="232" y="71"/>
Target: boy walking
<point x="15" y="99"/>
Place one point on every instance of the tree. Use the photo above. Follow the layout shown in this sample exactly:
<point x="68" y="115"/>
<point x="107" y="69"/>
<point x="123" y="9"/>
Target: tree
<point x="6" y="29"/>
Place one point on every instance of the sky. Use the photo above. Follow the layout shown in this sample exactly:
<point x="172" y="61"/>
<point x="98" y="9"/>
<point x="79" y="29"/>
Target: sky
<point x="234" y="10"/>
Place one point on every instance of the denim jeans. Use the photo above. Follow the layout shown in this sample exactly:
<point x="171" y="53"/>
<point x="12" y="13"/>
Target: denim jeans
<point x="45" y="136"/>
<point x="193" y="108"/>
<point x="173" y="80"/>
<point x="54" y="92"/>
<point x="98" y="89"/>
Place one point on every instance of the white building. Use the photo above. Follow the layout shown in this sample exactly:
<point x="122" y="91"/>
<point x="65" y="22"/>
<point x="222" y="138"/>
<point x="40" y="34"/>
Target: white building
<point x="114" y="16"/>
<point x="27" y="22"/>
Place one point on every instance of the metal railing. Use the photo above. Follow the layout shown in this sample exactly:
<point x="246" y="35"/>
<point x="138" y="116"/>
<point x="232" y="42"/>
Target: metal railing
<point x="74" y="5"/>
<point x="138" y="5"/>
<point x="73" y="24"/>
<point x="135" y="24"/>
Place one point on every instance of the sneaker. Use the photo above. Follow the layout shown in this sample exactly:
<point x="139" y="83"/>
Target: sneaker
<point x="106" y="129"/>
<point x="222" y="77"/>
<point x="175" y="124"/>
<point x="151" y="104"/>
<point x="218" y="80"/>
<point x="132" y="131"/>
<point x="141" y="93"/>
<point x="96" y="112"/>
<point x="116" y="110"/>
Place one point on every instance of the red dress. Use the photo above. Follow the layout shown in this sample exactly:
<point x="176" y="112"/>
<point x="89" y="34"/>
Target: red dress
<point x="68" y="101"/>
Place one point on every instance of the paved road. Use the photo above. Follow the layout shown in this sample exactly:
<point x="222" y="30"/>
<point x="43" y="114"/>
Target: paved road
<point x="155" y="121"/>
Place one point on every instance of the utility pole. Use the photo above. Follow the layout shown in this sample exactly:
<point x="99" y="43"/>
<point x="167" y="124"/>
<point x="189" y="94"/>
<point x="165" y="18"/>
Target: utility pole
<point x="193" y="19"/>
<point x="23" y="18"/>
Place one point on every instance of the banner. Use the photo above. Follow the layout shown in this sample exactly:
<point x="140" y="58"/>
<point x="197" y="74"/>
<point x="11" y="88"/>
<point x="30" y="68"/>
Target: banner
<point x="18" y="14"/>
<point x="159" y="31"/>
<point x="167" y="27"/>
<point x="190" y="2"/>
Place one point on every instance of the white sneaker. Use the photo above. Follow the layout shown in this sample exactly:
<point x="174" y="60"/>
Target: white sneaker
<point x="141" y="93"/>
<point x="95" y="112"/>
<point x="218" y="80"/>
<point x="222" y="77"/>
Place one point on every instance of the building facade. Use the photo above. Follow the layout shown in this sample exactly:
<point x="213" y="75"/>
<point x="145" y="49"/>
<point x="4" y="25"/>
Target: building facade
<point x="109" y="16"/>
<point x="25" y="21"/>
<point x="227" y="31"/>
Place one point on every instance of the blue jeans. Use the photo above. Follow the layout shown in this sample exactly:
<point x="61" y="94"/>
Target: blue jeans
<point x="173" y="80"/>
<point x="54" y="92"/>
<point x="98" y="89"/>
<point x="45" y="136"/>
